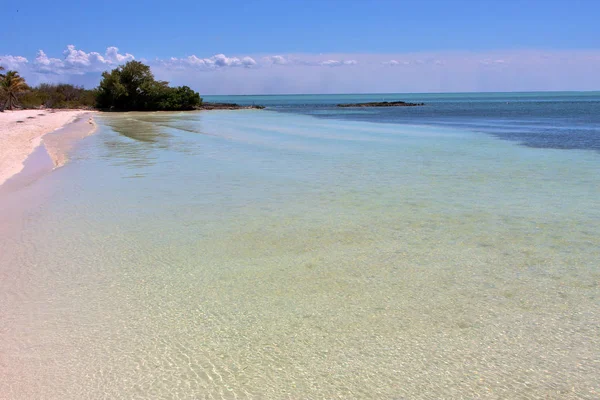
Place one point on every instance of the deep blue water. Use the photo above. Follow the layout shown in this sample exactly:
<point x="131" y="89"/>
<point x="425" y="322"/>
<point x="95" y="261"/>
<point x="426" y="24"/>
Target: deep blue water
<point x="558" y="120"/>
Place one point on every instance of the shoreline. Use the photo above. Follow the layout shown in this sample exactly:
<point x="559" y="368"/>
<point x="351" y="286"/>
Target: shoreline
<point x="22" y="132"/>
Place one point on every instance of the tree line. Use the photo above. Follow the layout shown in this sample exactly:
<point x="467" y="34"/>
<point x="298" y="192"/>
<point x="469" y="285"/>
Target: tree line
<point x="130" y="87"/>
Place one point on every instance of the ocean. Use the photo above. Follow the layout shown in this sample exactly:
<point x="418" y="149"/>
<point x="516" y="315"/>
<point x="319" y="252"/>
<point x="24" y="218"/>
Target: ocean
<point x="308" y="251"/>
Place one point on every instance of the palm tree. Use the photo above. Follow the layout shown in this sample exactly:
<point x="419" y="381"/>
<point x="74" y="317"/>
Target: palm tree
<point x="1" y="78"/>
<point x="12" y="84"/>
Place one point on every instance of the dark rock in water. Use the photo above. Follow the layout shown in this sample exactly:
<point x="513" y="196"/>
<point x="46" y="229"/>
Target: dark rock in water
<point x="227" y="106"/>
<point x="382" y="104"/>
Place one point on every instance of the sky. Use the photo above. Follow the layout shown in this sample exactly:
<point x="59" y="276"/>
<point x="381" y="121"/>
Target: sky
<point x="327" y="46"/>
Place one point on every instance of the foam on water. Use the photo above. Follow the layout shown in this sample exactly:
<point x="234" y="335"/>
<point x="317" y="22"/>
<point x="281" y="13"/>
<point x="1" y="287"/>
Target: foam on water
<point x="258" y="254"/>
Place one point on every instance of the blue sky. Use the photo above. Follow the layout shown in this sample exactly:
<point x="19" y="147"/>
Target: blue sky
<point x="324" y="46"/>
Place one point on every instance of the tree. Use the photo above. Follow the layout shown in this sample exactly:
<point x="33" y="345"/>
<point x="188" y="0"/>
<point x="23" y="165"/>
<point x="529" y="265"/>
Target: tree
<point x="128" y="87"/>
<point x="132" y="87"/>
<point x="11" y="84"/>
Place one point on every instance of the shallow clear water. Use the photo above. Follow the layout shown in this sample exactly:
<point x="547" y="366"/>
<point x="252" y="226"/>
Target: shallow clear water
<point x="267" y="254"/>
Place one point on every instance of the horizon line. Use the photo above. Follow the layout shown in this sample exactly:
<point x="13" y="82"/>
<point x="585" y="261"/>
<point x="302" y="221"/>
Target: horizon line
<point x="411" y="93"/>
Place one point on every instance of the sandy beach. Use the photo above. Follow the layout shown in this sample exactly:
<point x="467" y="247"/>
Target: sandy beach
<point x="22" y="131"/>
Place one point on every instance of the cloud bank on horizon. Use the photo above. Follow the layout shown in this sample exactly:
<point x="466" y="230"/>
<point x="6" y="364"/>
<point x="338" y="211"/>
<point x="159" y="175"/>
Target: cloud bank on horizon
<point x="448" y="71"/>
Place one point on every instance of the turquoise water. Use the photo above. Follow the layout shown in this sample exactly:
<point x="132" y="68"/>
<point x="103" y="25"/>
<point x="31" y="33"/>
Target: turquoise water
<point x="559" y="120"/>
<point x="280" y="254"/>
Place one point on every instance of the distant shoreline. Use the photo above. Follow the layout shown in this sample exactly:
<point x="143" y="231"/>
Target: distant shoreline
<point x="381" y="104"/>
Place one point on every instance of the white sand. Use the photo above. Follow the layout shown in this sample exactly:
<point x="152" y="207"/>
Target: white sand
<point x="19" y="139"/>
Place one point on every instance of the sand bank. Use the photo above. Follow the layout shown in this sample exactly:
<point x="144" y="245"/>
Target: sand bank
<point x="22" y="131"/>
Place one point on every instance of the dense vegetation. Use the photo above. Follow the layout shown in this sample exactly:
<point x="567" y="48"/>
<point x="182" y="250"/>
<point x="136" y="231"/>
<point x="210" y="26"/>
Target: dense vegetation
<point x="14" y="92"/>
<point x="58" y="96"/>
<point x="130" y="87"/>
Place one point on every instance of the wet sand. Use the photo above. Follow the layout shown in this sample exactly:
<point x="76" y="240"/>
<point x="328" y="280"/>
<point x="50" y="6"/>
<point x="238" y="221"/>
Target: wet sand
<point x="21" y="132"/>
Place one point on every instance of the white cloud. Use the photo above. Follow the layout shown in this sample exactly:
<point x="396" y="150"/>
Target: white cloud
<point x="214" y="62"/>
<point x="46" y="64"/>
<point x="336" y="63"/>
<point x="248" y="62"/>
<point x="330" y="63"/>
<point x="220" y="60"/>
<point x="305" y="60"/>
<point x="278" y="60"/>
<point x="79" y="62"/>
<point x="488" y="61"/>
<point x="508" y="70"/>
<point x="191" y="60"/>
<point x="12" y="62"/>
<point x="414" y="61"/>
<point x="113" y="56"/>
<point x="77" y="58"/>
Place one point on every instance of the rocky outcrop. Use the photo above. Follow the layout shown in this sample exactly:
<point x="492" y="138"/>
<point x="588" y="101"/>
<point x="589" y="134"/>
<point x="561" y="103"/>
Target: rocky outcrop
<point x="382" y="104"/>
